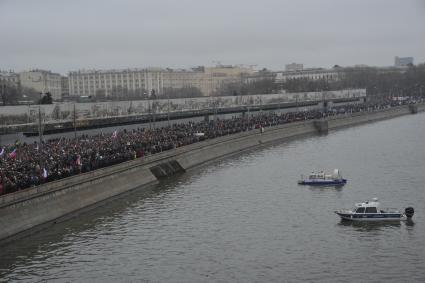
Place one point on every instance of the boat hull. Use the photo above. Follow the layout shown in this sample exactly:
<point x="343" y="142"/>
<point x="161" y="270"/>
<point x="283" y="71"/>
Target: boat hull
<point x="338" y="182"/>
<point x="371" y="216"/>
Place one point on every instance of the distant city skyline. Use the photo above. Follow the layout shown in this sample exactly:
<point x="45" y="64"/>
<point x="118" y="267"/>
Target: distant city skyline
<point x="64" y="36"/>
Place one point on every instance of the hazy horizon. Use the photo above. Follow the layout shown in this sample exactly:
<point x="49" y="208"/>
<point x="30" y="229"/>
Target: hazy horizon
<point x="64" y="36"/>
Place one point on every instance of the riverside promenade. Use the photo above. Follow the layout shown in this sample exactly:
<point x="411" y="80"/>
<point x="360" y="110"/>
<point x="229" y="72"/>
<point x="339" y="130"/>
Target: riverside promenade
<point x="35" y="208"/>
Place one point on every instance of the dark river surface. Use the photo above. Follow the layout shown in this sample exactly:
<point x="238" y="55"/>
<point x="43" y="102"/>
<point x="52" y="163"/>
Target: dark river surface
<point x="245" y="219"/>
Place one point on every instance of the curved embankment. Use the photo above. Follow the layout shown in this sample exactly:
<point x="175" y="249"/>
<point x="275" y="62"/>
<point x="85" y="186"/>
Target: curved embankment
<point x="35" y="208"/>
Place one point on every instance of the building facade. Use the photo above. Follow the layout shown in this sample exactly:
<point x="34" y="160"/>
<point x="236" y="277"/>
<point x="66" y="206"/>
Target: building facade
<point x="98" y="82"/>
<point x="294" y="67"/>
<point x="182" y="78"/>
<point x="217" y="77"/>
<point x="64" y="87"/>
<point x="107" y="82"/>
<point x="42" y="81"/>
<point x="9" y="78"/>
<point x="8" y="81"/>
<point x="333" y="74"/>
<point x="403" y="61"/>
<point x="258" y="76"/>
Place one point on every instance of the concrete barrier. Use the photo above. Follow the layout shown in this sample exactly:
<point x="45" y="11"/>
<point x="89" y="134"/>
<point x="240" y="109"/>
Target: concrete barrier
<point x="28" y="210"/>
<point x="366" y="117"/>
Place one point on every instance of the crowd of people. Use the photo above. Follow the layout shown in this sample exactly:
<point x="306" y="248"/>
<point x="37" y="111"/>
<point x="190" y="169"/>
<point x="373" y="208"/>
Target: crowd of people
<point x="23" y="165"/>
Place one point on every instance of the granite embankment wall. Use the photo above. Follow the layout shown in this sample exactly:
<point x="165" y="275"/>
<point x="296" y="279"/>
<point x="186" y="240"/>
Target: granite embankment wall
<point x="361" y="118"/>
<point x="35" y="208"/>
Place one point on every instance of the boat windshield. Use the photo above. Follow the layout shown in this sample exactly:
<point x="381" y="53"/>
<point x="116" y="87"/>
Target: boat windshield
<point x="313" y="176"/>
<point x="360" y="210"/>
<point x="371" y="210"/>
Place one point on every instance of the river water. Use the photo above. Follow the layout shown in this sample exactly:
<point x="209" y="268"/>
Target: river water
<point x="245" y="219"/>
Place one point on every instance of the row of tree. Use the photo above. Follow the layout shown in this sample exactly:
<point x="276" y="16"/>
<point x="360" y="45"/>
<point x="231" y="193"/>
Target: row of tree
<point x="381" y="82"/>
<point x="13" y="95"/>
<point x="376" y="81"/>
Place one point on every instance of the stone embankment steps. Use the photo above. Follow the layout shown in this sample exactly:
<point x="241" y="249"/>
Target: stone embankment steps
<point x="29" y="210"/>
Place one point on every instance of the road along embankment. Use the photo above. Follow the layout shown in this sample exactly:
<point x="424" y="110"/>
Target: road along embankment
<point x="29" y="210"/>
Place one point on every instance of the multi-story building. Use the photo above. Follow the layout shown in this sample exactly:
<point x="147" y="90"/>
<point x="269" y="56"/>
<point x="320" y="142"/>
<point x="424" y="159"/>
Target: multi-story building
<point x="182" y="78"/>
<point x="309" y="74"/>
<point x="42" y="81"/>
<point x="206" y="79"/>
<point x="258" y="76"/>
<point x="64" y="86"/>
<point x="216" y="77"/>
<point x="9" y="78"/>
<point x="294" y="67"/>
<point x="403" y="61"/>
<point x="94" y="82"/>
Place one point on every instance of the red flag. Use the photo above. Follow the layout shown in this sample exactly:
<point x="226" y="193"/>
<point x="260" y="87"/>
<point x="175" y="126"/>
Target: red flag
<point x="13" y="154"/>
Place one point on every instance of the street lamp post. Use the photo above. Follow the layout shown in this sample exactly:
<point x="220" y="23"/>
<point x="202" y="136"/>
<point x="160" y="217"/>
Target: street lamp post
<point x="150" y="114"/>
<point x="40" y="131"/>
<point x="75" y="123"/>
<point x="168" y="108"/>
<point x="215" y="109"/>
<point x="154" y="113"/>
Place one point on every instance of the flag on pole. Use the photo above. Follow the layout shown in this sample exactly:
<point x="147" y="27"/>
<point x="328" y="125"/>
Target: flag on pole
<point x="13" y="153"/>
<point x="44" y="173"/>
<point x="2" y="152"/>
<point x="114" y="134"/>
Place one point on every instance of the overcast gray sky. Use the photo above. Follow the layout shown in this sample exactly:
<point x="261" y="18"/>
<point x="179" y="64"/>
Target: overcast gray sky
<point x="103" y="34"/>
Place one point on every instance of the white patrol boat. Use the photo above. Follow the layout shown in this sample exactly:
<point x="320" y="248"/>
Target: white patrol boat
<point x="323" y="179"/>
<point x="371" y="211"/>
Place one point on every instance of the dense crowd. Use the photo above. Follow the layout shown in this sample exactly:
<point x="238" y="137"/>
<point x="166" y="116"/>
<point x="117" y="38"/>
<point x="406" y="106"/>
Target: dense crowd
<point x="23" y="165"/>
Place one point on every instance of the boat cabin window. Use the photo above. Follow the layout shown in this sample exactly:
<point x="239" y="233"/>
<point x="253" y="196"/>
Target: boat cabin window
<point x="360" y="210"/>
<point x="371" y="210"/>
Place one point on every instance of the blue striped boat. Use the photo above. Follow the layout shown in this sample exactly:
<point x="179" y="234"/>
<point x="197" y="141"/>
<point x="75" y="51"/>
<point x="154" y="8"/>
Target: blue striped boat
<point x="371" y="211"/>
<point x="323" y="179"/>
